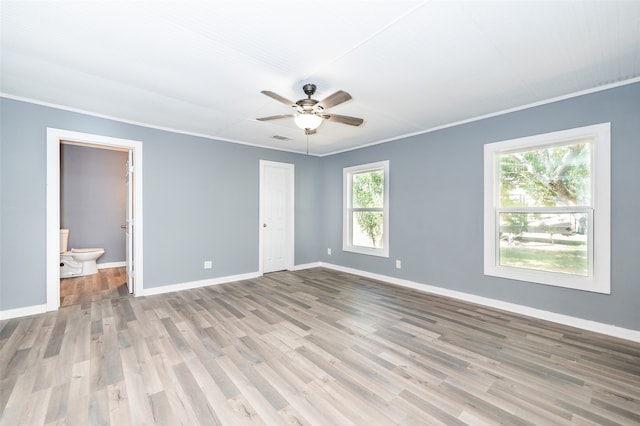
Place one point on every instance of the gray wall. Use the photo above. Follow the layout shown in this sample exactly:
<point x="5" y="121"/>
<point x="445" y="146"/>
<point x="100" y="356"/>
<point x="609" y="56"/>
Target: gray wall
<point x="201" y="202"/>
<point x="93" y="199"/>
<point x="436" y="207"/>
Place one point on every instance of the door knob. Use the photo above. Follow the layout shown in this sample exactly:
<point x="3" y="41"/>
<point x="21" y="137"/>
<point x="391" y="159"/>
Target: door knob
<point x="124" y="226"/>
<point x="264" y="225"/>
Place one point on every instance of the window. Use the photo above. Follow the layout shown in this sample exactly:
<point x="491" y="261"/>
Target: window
<point x="547" y="208"/>
<point x="366" y="209"/>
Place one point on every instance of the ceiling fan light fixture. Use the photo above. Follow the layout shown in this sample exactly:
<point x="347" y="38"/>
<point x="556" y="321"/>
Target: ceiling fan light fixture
<point x="310" y="113"/>
<point x="307" y="121"/>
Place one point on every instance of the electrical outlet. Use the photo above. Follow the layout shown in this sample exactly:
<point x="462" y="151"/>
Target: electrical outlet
<point x="208" y="264"/>
<point x="398" y="264"/>
<point x="329" y="251"/>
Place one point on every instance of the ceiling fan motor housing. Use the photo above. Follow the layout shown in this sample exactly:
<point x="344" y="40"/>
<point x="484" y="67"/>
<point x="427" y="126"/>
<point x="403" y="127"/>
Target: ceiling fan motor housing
<point x="306" y="104"/>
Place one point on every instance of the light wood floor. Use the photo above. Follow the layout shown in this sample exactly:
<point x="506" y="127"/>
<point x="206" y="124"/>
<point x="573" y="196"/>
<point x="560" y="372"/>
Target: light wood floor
<point x="106" y="284"/>
<point x="313" y="347"/>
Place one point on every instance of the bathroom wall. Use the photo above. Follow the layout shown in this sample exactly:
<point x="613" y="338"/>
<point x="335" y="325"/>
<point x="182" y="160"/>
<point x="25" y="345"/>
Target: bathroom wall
<point x="93" y="199"/>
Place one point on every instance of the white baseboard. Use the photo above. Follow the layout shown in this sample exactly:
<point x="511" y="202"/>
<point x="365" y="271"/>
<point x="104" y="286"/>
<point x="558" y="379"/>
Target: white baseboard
<point x="308" y="266"/>
<point x="598" y="327"/>
<point x="23" y="312"/>
<point x="196" y="284"/>
<point x="111" y="265"/>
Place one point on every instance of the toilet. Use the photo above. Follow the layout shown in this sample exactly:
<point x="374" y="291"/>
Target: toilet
<point x="77" y="262"/>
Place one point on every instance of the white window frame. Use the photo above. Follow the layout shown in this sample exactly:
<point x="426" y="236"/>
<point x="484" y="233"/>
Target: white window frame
<point x="347" y="178"/>
<point x="599" y="277"/>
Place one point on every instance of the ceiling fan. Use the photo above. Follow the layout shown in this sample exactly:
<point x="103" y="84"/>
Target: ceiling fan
<point x="310" y="112"/>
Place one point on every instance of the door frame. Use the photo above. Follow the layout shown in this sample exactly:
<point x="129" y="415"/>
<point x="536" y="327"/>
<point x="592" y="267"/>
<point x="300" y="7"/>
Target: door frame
<point x="290" y="244"/>
<point x="129" y="222"/>
<point x="54" y="138"/>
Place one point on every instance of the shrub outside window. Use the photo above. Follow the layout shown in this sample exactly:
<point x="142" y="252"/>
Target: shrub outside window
<point x="547" y="208"/>
<point x="366" y="209"/>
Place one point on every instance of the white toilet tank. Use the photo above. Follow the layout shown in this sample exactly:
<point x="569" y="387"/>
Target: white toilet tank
<point x="64" y="240"/>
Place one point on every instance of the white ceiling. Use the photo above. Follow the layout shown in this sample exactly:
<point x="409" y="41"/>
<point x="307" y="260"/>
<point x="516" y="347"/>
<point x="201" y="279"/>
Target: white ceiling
<point x="410" y="66"/>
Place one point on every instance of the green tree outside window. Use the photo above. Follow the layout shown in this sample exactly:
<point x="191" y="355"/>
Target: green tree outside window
<point x="368" y="193"/>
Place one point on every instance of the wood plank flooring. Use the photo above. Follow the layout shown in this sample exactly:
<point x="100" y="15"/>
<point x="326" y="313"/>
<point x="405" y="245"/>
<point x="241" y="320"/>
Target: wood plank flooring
<point x="107" y="283"/>
<point x="312" y="347"/>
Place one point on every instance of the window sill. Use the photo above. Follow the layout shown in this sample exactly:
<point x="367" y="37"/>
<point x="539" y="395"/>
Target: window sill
<point x="549" y="278"/>
<point x="366" y="250"/>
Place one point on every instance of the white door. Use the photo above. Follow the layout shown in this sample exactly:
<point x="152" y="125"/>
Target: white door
<point x="128" y="227"/>
<point x="276" y="206"/>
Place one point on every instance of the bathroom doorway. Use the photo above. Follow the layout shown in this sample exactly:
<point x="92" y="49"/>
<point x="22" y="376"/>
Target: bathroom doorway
<point x="132" y="225"/>
<point x="93" y="202"/>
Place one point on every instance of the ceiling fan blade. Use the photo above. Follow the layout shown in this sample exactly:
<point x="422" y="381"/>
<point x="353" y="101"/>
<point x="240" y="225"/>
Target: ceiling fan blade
<point x="275" y="117"/>
<point x="332" y="100"/>
<point x="279" y="98"/>
<point x="344" y="119"/>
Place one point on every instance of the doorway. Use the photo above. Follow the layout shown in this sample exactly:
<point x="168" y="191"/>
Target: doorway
<point x="55" y="137"/>
<point x="276" y="241"/>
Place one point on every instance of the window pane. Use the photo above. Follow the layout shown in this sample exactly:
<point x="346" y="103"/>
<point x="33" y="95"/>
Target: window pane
<point x="553" y="242"/>
<point x="368" y="189"/>
<point x="367" y="229"/>
<point x="549" y="176"/>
